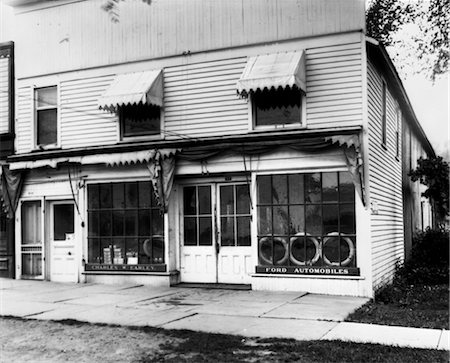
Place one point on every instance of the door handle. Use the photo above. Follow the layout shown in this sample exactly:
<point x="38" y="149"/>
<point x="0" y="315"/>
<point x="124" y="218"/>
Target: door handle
<point x="69" y="253"/>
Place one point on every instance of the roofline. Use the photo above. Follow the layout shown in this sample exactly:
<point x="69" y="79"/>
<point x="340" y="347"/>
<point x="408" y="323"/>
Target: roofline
<point x="374" y="44"/>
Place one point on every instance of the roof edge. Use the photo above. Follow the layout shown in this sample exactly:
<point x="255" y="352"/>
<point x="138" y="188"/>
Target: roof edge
<point x="381" y="50"/>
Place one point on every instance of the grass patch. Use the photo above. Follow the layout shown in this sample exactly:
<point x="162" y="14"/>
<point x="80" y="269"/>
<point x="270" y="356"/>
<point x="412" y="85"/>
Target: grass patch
<point x="419" y="294"/>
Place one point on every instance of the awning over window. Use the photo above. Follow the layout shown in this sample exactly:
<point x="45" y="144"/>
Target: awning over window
<point x="284" y="69"/>
<point x="133" y="88"/>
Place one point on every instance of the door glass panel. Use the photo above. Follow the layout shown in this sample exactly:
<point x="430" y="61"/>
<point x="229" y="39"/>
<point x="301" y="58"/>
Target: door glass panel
<point x="190" y="201"/>
<point x="243" y="231"/>
<point x="226" y="200"/>
<point x="242" y="199"/>
<point x="204" y="200"/>
<point x="205" y="231"/>
<point x="31" y="222"/>
<point x="227" y="231"/>
<point x="63" y="221"/>
<point x="190" y="231"/>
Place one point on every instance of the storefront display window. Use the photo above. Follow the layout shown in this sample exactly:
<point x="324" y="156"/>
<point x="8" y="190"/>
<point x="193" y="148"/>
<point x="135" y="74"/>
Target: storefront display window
<point x="306" y="220"/>
<point x="125" y="225"/>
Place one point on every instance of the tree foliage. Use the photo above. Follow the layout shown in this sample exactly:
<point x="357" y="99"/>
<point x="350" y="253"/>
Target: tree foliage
<point x="419" y="28"/>
<point x="112" y="8"/>
<point x="433" y="173"/>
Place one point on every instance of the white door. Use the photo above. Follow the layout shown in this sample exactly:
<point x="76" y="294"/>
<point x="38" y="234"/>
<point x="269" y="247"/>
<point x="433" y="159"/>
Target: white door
<point x="63" y="242"/>
<point x="216" y="234"/>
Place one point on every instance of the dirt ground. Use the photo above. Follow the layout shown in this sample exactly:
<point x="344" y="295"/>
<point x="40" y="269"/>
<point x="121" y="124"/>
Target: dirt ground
<point x="71" y="341"/>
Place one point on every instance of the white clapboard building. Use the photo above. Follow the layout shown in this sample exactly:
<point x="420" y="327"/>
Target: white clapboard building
<point x="250" y="142"/>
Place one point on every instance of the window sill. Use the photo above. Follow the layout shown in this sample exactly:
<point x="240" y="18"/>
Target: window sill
<point x="129" y="139"/>
<point x="276" y="128"/>
<point x="46" y="148"/>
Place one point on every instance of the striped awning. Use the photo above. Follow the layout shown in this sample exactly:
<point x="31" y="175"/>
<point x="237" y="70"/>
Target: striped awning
<point x="284" y="69"/>
<point x="133" y="88"/>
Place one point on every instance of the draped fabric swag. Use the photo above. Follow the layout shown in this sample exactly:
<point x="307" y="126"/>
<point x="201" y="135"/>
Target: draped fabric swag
<point x="10" y="190"/>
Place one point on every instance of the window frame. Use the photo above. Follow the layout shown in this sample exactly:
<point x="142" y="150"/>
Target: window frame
<point x="36" y="108"/>
<point x="354" y="236"/>
<point x="156" y="136"/>
<point x="302" y="124"/>
<point x="398" y="133"/>
<point x="146" y="267"/>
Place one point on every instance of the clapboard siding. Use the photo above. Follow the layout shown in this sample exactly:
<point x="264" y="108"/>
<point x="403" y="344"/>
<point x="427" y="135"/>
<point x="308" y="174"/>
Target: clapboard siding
<point x="4" y="94"/>
<point x="200" y="99"/>
<point x="385" y="177"/>
<point x="167" y="28"/>
<point x="82" y="123"/>
<point x="334" y="85"/>
<point x="24" y="120"/>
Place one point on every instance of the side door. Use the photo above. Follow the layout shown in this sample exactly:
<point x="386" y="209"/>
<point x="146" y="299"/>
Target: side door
<point x="234" y="219"/>
<point x="63" y="241"/>
<point x="198" y="235"/>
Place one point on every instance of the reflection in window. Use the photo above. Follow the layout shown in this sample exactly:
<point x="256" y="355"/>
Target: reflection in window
<point x="125" y="224"/>
<point x="306" y="219"/>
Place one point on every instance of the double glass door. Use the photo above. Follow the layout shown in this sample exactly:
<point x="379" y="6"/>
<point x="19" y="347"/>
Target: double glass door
<point x="216" y="243"/>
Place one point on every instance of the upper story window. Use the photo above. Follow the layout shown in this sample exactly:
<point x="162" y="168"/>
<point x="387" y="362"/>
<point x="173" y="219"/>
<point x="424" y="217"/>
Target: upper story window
<point x="139" y="120"/>
<point x="276" y="84"/>
<point x="137" y="100"/>
<point x="46" y="116"/>
<point x="277" y="107"/>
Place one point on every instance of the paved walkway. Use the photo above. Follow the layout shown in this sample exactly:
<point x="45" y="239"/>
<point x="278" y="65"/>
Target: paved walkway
<point x="294" y="315"/>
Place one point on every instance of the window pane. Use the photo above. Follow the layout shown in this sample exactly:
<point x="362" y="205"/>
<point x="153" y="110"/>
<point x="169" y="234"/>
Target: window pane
<point x="46" y="97"/>
<point x="264" y="190"/>
<point x="296" y="187"/>
<point x="157" y="222"/>
<point x="348" y="251"/>
<point x="312" y="188"/>
<point x="47" y="127"/>
<point x="94" y="250"/>
<point x="314" y="219"/>
<point x="93" y="196"/>
<point x="158" y="250"/>
<point x="227" y="200"/>
<point x="205" y="231"/>
<point x="31" y="222"/>
<point x="242" y="199"/>
<point x="329" y="187"/>
<point x="277" y="107"/>
<point x="298" y="250"/>
<point x="265" y="251"/>
<point x="227" y="231"/>
<point x="297" y="222"/>
<point x="64" y="223"/>
<point x="330" y="250"/>
<point x="131" y="195"/>
<point x="243" y="231"/>
<point x="280" y="220"/>
<point x="280" y="251"/>
<point x="105" y="195"/>
<point x="204" y="200"/>
<point x="118" y="196"/>
<point x="139" y="120"/>
<point x="330" y="218"/>
<point x="346" y="188"/>
<point x="131" y="246"/>
<point x="93" y="230"/>
<point x="118" y="219"/>
<point x="190" y="231"/>
<point x="105" y="223"/>
<point x="190" y="201"/>
<point x="106" y="251"/>
<point x="144" y="222"/>
<point x="348" y="218"/>
<point x="118" y="251"/>
<point x="279" y="189"/>
<point x="264" y="220"/>
<point x="145" y="199"/>
<point x="131" y="219"/>
<point x="145" y="250"/>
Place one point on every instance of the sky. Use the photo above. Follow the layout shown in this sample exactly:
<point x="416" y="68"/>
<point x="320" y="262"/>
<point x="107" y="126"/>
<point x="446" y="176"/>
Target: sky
<point x="430" y="101"/>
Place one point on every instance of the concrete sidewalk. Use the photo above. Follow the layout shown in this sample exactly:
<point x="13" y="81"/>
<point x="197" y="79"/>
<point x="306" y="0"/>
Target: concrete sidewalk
<point x="294" y="315"/>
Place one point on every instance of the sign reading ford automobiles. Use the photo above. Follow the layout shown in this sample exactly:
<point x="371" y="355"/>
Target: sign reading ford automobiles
<point x="308" y="270"/>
